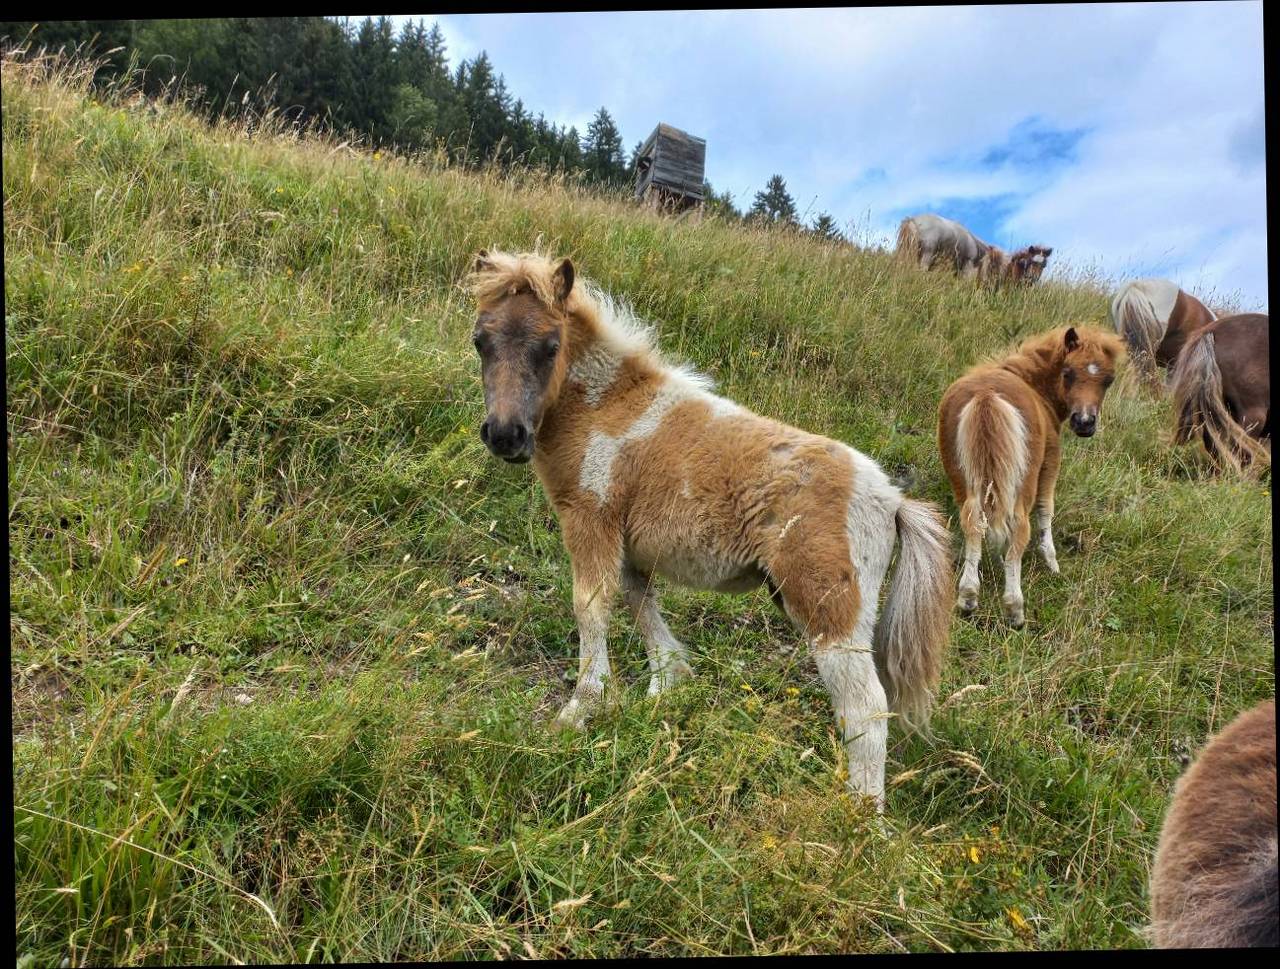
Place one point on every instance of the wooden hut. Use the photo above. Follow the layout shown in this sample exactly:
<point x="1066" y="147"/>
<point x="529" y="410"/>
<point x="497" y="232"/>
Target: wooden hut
<point x="671" y="167"/>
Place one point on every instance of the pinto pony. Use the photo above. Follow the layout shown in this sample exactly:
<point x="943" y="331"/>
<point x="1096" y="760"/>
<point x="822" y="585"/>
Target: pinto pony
<point x="1221" y="389"/>
<point x="923" y="238"/>
<point x="652" y="474"/>
<point x="1156" y="318"/>
<point x="1214" y="882"/>
<point x="998" y="433"/>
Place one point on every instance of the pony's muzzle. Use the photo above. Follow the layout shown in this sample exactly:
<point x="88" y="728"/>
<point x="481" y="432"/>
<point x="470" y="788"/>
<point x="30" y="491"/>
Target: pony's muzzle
<point x="1084" y="424"/>
<point x="510" y="440"/>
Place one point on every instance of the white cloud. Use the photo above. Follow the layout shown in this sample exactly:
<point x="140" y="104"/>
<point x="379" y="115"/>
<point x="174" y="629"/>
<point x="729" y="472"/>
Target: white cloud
<point x="1170" y="95"/>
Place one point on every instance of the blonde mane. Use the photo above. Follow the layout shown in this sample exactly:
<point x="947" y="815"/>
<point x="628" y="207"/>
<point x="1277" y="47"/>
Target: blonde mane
<point x="612" y="322"/>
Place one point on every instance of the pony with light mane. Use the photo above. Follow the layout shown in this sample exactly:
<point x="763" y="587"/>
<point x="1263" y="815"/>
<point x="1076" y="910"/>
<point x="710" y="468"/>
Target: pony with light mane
<point x="1221" y="390"/>
<point x="1155" y="317"/>
<point x="651" y="474"/>
<point x="998" y="433"/>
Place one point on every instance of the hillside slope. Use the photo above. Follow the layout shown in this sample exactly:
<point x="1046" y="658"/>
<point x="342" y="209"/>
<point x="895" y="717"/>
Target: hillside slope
<point x="285" y="638"/>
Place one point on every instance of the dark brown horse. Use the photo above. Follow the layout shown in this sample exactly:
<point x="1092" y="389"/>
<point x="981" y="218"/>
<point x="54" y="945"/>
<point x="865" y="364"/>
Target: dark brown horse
<point x="1214" y="880"/>
<point x="1156" y="318"/>
<point x="1221" y="387"/>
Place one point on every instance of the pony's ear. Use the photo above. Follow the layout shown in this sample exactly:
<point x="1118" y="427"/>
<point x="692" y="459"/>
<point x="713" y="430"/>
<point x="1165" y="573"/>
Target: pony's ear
<point x="562" y="278"/>
<point x="482" y="261"/>
<point x="1046" y="251"/>
<point x="1072" y="340"/>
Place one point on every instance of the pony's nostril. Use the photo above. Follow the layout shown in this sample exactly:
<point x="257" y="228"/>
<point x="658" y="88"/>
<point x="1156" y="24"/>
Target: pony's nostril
<point x="519" y="434"/>
<point x="484" y="432"/>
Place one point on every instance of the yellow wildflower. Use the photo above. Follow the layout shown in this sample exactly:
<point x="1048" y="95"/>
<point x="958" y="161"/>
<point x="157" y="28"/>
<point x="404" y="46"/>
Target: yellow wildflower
<point x="1019" y="923"/>
<point x="747" y="687"/>
<point x="974" y="855"/>
<point x="182" y="560"/>
<point x="793" y="691"/>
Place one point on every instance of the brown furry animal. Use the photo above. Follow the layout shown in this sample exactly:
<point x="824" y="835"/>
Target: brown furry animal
<point x="998" y="434"/>
<point x="651" y="474"/>
<point x="1221" y="390"/>
<point x="1214" y="883"/>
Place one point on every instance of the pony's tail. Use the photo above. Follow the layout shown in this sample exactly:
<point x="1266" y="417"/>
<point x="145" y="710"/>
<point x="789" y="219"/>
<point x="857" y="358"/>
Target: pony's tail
<point x="908" y="242"/>
<point x="992" y="267"/>
<point x="991" y="445"/>
<point x="1200" y="408"/>
<point x="912" y="632"/>
<point x="1135" y="320"/>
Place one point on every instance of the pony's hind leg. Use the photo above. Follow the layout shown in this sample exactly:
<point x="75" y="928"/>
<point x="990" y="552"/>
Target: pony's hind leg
<point x="861" y="707"/>
<point x="829" y="578"/>
<point x="1019" y="534"/>
<point x="973" y="522"/>
<point x="668" y="659"/>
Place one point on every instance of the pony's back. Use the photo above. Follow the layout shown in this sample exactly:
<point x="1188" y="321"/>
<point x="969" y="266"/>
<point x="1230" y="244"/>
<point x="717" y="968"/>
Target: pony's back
<point x="1214" y="882"/>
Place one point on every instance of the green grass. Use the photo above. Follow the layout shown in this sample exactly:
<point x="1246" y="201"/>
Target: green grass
<point x="285" y="640"/>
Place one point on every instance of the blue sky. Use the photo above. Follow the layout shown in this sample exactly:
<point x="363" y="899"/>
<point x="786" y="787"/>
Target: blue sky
<point x="1130" y="137"/>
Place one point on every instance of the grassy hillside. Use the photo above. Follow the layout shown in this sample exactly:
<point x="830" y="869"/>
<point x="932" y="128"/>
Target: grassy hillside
<point x="285" y="640"/>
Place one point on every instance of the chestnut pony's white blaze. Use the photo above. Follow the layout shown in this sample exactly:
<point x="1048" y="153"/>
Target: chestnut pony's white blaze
<point x="998" y="433"/>
<point x="651" y="474"/>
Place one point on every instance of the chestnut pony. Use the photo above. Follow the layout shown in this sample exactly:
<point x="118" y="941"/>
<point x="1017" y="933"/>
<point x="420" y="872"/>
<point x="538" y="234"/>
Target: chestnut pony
<point x="1221" y="390"/>
<point x="651" y="474"/>
<point x="998" y="433"/>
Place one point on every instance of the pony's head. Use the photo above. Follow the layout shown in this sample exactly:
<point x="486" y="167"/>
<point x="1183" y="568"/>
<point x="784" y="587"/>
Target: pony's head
<point x="1089" y="359"/>
<point x="1027" y="265"/>
<point x="520" y="331"/>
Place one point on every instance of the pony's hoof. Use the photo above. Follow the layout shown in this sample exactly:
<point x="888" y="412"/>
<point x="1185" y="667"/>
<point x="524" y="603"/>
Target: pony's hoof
<point x="1016" y="619"/>
<point x="572" y="716"/>
<point x="660" y="683"/>
<point x="967" y="602"/>
<point x="1051" y="563"/>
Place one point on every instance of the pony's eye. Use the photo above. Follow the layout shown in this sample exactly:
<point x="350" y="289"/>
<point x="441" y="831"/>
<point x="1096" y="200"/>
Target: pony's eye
<point x="1068" y="375"/>
<point x="552" y="349"/>
<point x="476" y="341"/>
<point x="1107" y="381"/>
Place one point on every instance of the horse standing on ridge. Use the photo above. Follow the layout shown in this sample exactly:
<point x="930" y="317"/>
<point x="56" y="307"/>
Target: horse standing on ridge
<point x="998" y="434"/>
<point x="1215" y="879"/>
<point x="1156" y="318"/>
<point x="650" y="473"/>
<point x="1221" y="389"/>
<point x="923" y="238"/>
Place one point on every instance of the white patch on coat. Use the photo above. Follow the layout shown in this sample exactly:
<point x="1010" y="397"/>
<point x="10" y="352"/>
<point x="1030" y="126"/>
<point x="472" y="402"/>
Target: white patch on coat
<point x="602" y="450"/>
<point x="1092" y="368"/>
<point x="595" y="371"/>
<point x="871" y="524"/>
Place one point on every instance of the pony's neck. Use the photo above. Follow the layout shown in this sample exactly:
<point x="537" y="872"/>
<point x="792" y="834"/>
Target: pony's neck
<point x="1039" y="368"/>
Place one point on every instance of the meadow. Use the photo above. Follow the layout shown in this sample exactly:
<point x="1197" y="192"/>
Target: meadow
<point x="285" y="639"/>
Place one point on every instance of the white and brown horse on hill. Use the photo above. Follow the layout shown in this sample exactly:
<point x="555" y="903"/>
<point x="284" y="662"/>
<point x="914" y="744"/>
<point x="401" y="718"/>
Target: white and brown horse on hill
<point x="652" y="474"/>
<point x="998" y="434"/>
<point x="1156" y="318"/>
<point x="922" y="239"/>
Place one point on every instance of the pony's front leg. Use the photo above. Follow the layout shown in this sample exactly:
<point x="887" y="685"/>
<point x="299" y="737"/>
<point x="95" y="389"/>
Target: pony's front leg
<point x="1018" y="537"/>
<point x="1044" y="502"/>
<point x="595" y="585"/>
<point x="668" y="659"/>
<point x="973" y="523"/>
